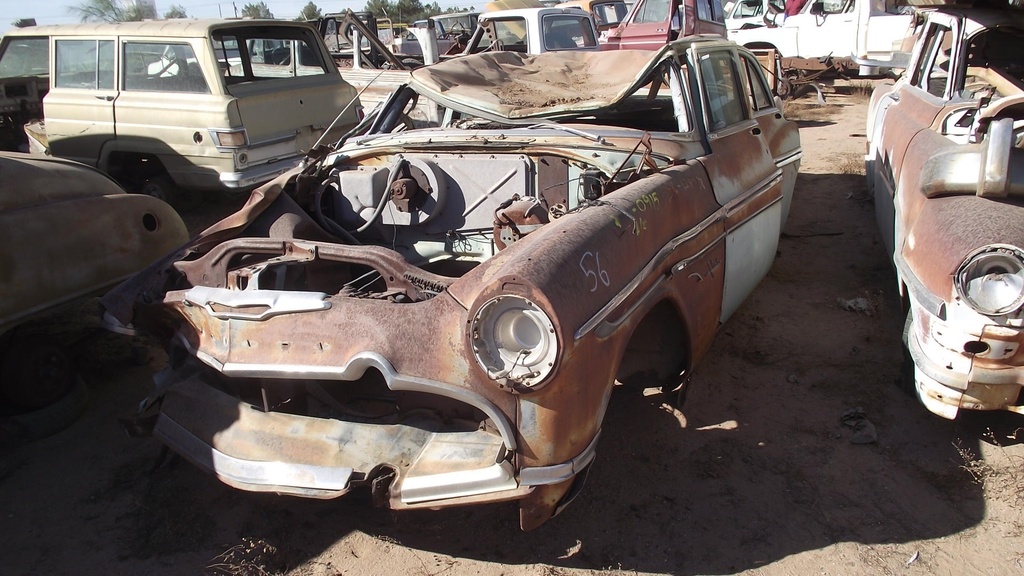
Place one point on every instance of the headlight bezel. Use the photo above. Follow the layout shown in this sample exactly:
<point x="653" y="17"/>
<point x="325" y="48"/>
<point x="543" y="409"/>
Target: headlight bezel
<point x="515" y="342"/>
<point x="974" y="278"/>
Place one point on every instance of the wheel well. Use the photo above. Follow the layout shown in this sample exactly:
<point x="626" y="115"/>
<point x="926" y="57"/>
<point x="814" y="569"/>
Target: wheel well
<point x="132" y="169"/>
<point x="658" y="351"/>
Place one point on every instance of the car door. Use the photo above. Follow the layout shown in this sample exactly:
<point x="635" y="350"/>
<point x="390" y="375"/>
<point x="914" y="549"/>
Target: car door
<point x="79" y="108"/>
<point x="167" y="74"/>
<point x="781" y="136"/>
<point x="647" y="26"/>
<point x="832" y="32"/>
<point x="742" y="171"/>
<point x="908" y="110"/>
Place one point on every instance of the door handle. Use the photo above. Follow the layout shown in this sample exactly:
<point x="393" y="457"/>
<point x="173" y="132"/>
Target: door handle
<point x="106" y="98"/>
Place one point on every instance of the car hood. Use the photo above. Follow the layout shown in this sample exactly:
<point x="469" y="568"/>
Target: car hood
<point x="521" y="88"/>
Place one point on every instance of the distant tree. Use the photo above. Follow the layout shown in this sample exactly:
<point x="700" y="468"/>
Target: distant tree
<point x="176" y="11"/>
<point x="432" y="9"/>
<point x="410" y="10"/>
<point x="257" y="10"/>
<point x="110" y="11"/>
<point x="24" y="22"/>
<point x="310" y="12"/>
<point x="381" y="8"/>
<point x="454" y="9"/>
<point x="399" y="11"/>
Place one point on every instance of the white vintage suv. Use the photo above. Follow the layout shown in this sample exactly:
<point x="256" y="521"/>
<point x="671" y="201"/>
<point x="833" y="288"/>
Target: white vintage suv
<point x="193" y="104"/>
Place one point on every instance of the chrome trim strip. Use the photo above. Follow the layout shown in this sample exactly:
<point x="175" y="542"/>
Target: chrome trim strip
<point x="668" y="248"/>
<point x="765" y="183"/>
<point x="643" y="298"/>
<point x="787" y="160"/>
<point x="731" y="129"/>
<point x="546" y="475"/>
<point x="930" y="302"/>
<point x="268" y="302"/>
<point x="762" y="209"/>
<point x="656" y="261"/>
<point x="355" y="368"/>
<point x="274" y="140"/>
<point x="687" y="261"/>
<point x="249" y="471"/>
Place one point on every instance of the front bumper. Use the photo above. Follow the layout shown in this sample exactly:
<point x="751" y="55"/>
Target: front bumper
<point x="408" y="465"/>
<point x="956" y="369"/>
<point x="258" y="174"/>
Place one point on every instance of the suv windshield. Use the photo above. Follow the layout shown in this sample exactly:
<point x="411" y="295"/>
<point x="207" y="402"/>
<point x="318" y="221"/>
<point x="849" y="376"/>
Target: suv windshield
<point x="24" y="57"/>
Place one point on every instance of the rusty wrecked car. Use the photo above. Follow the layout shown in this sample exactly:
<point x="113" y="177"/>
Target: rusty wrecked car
<point x="440" y="314"/>
<point x="67" y="232"/>
<point x="946" y="168"/>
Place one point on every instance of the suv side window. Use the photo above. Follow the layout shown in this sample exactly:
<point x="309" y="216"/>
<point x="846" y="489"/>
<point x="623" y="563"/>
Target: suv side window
<point x="86" y="64"/>
<point x="162" y="67"/>
<point x="256" y="55"/>
<point x="723" y="96"/>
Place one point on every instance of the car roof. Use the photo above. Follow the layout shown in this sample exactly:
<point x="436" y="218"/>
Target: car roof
<point x="520" y="88"/>
<point x="186" y="28"/>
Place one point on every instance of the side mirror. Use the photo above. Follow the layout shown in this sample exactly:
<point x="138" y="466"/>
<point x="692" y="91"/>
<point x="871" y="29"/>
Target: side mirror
<point x="818" y="8"/>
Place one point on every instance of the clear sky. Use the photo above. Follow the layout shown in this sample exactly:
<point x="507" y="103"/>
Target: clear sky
<point x="56" y="11"/>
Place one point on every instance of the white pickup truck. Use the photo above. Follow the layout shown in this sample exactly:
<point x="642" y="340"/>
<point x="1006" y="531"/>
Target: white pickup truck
<point x="535" y="31"/>
<point x="852" y="36"/>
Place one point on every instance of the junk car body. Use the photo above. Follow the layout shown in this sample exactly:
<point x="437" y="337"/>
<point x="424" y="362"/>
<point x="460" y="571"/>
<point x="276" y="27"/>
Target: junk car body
<point x="440" y="314"/>
<point x="947" y="172"/>
<point x="67" y="231"/>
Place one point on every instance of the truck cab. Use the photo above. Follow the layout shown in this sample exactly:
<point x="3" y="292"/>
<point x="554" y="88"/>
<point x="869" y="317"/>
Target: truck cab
<point x="862" y="29"/>
<point x="534" y="31"/>
<point x="653" y="23"/>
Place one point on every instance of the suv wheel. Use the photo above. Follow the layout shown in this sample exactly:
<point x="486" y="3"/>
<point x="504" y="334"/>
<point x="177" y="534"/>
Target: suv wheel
<point x="164" y="188"/>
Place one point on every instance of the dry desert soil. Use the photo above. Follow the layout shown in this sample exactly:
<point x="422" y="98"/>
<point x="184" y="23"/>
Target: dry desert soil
<point x="756" y="473"/>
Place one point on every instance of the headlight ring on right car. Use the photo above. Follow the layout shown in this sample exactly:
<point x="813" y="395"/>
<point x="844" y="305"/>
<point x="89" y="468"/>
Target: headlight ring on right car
<point x="991" y="279"/>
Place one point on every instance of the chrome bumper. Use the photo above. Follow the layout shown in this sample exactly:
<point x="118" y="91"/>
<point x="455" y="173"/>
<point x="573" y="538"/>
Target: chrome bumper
<point x="258" y="174"/>
<point x="324" y="458"/>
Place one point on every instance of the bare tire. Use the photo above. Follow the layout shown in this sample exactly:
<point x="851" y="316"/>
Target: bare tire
<point x="33" y="376"/>
<point x="47" y="421"/>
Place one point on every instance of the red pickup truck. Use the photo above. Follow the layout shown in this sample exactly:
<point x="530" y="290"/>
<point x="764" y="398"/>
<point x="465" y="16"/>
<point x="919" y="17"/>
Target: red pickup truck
<point x="651" y="24"/>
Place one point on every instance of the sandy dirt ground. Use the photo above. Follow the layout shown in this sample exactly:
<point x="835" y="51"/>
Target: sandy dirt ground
<point x="755" y="473"/>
